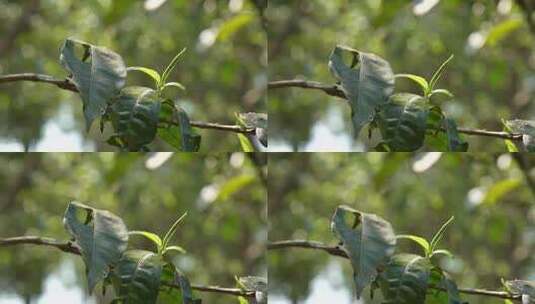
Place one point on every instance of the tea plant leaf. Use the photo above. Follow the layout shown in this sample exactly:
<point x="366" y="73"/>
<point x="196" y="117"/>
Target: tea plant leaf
<point x="368" y="240"/>
<point x="405" y="279"/>
<point x="135" y="117"/>
<point x="171" y="66"/>
<point x="181" y="137"/>
<point x="98" y="79"/>
<point x="149" y="235"/>
<point x="403" y="122"/>
<point x="441" y="92"/>
<point x="367" y="86"/>
<point x="419" y="80"/>
<point x="178" y="249"/>
<point x="101" y="235"/>
<point x="438" y="73"/>
<point x="172" y="275"/>
<point x="455" y="143"/>
<point x="138" y="276"/>
<point x="171" y="232"/>
<point x="174" y="84"/>
<point x="440" y="233"/>
<point x="527" y="129"/>
<point x="419" y="240"/>
<point x="152" y="73"/>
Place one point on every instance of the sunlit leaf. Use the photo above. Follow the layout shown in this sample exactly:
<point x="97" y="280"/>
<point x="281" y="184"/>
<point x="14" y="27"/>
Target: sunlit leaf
<point x="152" y="73"/>
<point x="419" y="240"/>
<point x="149" y="235"/>
<point x="419" y="80"/>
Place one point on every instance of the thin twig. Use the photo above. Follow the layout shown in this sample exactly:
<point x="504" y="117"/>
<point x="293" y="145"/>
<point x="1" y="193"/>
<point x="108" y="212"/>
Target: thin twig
<point x="68" y="85"/>
<point x="71" y="247"/>
<point x="337" y="251"/>
<point x="336" y="91"/>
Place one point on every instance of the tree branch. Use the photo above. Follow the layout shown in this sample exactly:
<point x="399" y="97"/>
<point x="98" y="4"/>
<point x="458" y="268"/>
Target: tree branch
<point x="68" y="85"/>
<point x="71" y="247"/>
<point x="336" y="91"/>
<point x="339" y="252"/>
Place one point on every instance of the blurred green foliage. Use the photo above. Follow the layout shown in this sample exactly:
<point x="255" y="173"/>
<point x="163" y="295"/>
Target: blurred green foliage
<point x="224" y="232"/>
<point x="223" y="69"/>
<point x="492" y="75"/>
<point x="493" y="235"/>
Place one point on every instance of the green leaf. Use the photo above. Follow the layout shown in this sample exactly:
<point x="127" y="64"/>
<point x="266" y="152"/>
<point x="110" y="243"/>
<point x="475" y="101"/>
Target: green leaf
<point x="171" y="66"/>
<point x="403" y="122"/>
<point x="501" y="30"/>
<point x="450" y="294"/>
<point x="451" y="288"/>
<point x="174" y="84"/>
<point x="440" y="233"/>
<point x="174" y="248"/>
<point x="179" y="133"/>
<point x="172" y="230"/>
<point x="101" y="235"/>
<point x="138" y="275"/>
<point x="500" y="189"/>
<point x="527" y="129"/>
<point x="419" y="240"/>
<point x="419" y="80"/>
<point x="245" y="143"/>
<point x="135" y="117"/>
<point x="438" y="73"/>
<point x="405" y="279"/>
<point x="443" y="252"/>
<point x="441" y="92"/>
<point x="234" y="24"/>
<point x="367" y="86"/>
<point x="455" y="143"/>
<point x="172" y="275"/>
<point x="149" y="235"/>
<point x="256" y="284"/>
<point x="152" y="73"/>
<point x="98" y="79"/>
<point x="368" y="240"/>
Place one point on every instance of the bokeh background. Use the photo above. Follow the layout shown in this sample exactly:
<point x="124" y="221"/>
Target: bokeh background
<point x="492" y="74"/>
<point x="224" y="69"/>
<point x="493" y="235"/>
<point x="224" y="233"/>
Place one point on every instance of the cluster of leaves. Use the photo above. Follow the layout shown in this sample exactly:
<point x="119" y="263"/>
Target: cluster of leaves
<point x="133" y="111"/>
<point x="407" y="121"/>
<point x="403" y="278"/>
<point x="137" y="276"/>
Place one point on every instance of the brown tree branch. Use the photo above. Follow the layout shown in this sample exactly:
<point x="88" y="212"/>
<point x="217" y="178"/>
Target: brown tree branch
<point x="66" y="84"/>
<point x="71" y="247"/>
<point x="336" y="91"/>
<point x="339" y="252"/>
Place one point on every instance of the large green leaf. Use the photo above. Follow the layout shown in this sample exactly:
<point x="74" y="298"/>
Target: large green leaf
<point x="138" y="276"/>
<point x="527" y="129"/>
<point x="368" y="240"/>
<point x="405" y="279"/>
<point x="368" y="83"/>
<point x="403" y="122"/>
<point x="179" y="133"/>
<point x="99" y="76"/>
<point x="101" y="235"/>
<point x="134" y="117"/>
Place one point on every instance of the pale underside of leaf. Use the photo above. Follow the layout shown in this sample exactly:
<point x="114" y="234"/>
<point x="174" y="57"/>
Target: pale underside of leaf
<point x="102" y="239"/>
<point x="368" y="240"/>
<point x="98" y="80"/>
<point x="367" y="86"/>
